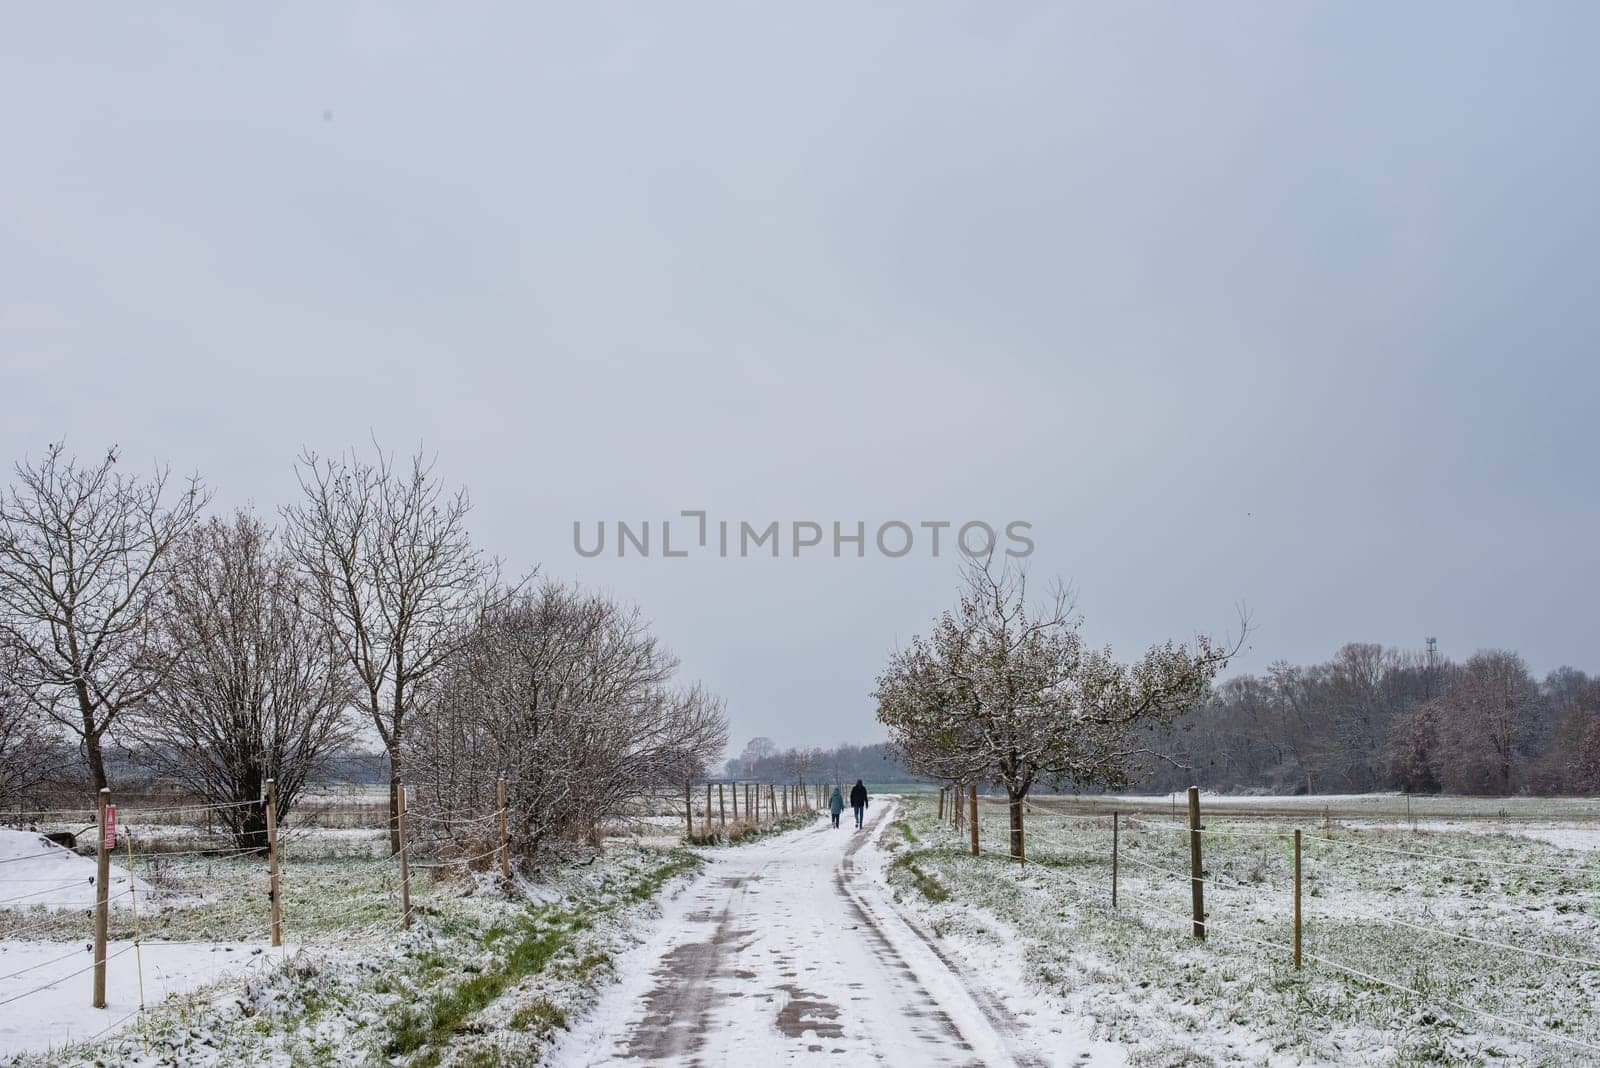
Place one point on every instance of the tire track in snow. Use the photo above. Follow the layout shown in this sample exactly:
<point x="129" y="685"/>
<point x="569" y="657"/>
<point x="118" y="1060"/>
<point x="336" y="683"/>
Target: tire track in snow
<point x="883" y="915"/>
<point x="783" y="951"/>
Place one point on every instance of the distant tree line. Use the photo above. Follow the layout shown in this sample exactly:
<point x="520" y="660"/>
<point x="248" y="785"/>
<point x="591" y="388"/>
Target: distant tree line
<point x="1376" y="718"/>
<point x="874" y="763"/>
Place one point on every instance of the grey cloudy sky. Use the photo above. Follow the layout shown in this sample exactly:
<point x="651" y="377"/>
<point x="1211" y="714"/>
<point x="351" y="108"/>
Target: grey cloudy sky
<point x="1285" y="304"/>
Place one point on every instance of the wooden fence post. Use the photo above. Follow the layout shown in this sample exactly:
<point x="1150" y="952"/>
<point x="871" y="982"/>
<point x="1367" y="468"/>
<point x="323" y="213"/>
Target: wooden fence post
<point x="1018" y="837"/>
<point x="972" y="816"/>
<point x="1197" y="886"/>
<point x="505" y="839"/>
<point x="785" y="800"/>
<point x="405" y="859"/>
<point x="688" y="812"/>
<point x="722" y="806"/>
<point x="1114" y="831"/>
<point x="735" y="792"/>
<point x="708" y="808"/>
<point x="1297" y="899"/>
<point x="271" y="801"/>
<point x="941" y="804"/>
<point x="102" y="880"/>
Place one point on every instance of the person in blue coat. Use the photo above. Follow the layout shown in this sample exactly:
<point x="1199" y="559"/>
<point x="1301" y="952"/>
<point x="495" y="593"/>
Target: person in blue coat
<point x="836" y="805"/>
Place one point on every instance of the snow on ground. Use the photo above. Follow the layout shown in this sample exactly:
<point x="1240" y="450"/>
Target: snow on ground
<point x="357" y="991"/>
<point x="893" y="944"/>
<point x="1347" y="806"/>
<point x="791" y="950"/>
<point x="1562" y="837"/>
<point x="35" y="873"/>
<point x="1425" y="946"/>
<point x="60" y="1014"/>
<point x="1578" y="837"/>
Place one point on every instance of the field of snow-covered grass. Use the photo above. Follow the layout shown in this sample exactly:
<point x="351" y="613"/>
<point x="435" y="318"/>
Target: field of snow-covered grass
<point x="1446" y="944"/>
<point x="1387" y="806"/>
<point x="349" y="987"/>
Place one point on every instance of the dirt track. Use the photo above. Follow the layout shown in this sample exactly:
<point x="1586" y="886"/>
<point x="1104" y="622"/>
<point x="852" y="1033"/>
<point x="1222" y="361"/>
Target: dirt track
<point x="785" y="951"/>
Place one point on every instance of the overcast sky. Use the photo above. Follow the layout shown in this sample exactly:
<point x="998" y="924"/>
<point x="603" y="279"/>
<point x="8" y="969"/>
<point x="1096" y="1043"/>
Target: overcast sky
<point x="1285" y="305"/>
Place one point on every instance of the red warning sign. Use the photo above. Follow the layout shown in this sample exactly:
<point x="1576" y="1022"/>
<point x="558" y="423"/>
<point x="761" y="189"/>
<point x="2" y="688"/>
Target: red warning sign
<point x="109" y="833"/>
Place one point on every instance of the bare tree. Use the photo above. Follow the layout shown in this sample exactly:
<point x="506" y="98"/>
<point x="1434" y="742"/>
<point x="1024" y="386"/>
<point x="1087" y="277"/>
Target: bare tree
<point x="1005" y="690"/>
<point x="85" y="556"/>
<point x="569" y="695"/>
<point x="257" y="690"/>
<point x="755" y="753"/>
<point x="1491" y="713"/>
<point x="30" y="754"/>
<point x="395" y="576"/>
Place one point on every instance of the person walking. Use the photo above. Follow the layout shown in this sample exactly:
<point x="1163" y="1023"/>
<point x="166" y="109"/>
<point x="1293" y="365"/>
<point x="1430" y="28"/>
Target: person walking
<point x="858" y="801"/>
<point x="836" y="805"/>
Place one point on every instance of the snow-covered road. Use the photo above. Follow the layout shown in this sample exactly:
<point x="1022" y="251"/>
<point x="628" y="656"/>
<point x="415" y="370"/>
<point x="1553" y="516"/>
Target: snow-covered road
<point x="791" y="950"/>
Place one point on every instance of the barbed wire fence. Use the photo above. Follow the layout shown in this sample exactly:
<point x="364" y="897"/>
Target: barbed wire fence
<point x="177" y="874"/>
<point x="177" y="855"/>
<point x="1189" y="832"/>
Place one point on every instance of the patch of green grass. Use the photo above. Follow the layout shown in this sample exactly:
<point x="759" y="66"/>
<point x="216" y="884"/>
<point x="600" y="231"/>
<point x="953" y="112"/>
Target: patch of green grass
<point x="424" y="1031"/>
<point x="926" y="885"/>
<point x="678" y="862"/>
<point x="448" y="1012"/>
<point x="540" y="1017"/>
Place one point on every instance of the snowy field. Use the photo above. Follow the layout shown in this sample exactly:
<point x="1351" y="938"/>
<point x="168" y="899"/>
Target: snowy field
<point x="1455" y="937"/>
<point x="349" y="986"/>
<point x="1455" y="942"/>
<point x="197" y="907"/>
<point x="60" y="1018"/>
<point x="1385" y="806"/>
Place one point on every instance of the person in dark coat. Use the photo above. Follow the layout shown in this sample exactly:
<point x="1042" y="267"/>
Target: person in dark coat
<point x="836" y="805"/>
<point x="858" y="801"/>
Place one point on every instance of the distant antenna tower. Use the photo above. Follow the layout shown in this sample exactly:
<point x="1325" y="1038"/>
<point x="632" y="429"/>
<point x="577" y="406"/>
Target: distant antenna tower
<point x="1433" y="650"/>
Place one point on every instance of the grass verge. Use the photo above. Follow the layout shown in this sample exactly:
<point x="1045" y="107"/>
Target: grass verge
<point x="423" y="1033"/>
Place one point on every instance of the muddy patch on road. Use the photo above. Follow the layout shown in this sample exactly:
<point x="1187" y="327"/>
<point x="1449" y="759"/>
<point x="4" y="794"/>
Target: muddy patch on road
<point x="807" y="1011"/>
